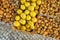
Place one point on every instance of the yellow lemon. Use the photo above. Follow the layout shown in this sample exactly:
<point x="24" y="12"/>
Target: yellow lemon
<point x="38" y="2"/>
<point x="23" y="16"/>
<point x="22" y="21"/>
<point x="28" y="17"/>
<point x="31" y="8"/>
<point x="27" y="4"/>
<point x="27" y="12"/>
<point x="17" y="18"/>
<point x="23" y="1"/>
<point x="28" y="29"/>
<point x="27" y="26"/>
<point x="23" y="28"/>
<point x="33" y="4"/>
<point x="16" y="23"/>
<point x="30" y="23"/>
<point x="34" y="19"/>
<point x="37" y="7"/>
<point x="33" y="0"/>
<point x="32" y="14"/>
<point x="19" y="11"/>
<point x="22" y="7"/>
<point x="28" y="0"/>
<point x="36" y="11"/>
<point x="32" y="27"/>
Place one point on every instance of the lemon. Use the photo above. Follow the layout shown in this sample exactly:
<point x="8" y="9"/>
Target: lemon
<point x="27" y="26"/>
<point x="28" y="17"/>
<point x="31" y="8"/>
<point x="30" y="23"/>
<point x="38" y="2"/>
<point x="22" y="7"/>
<point x="36" y="11"/>
<point x="28" y="0"/>
<point x="19" y="11"/>
<point x="27" y="12"/>
<point x="37" y="7"/>
<point x="22" y="21"/>
<point x="32" y="14"/>
<point x="33" y="0"/>
<point x="16" y="23"/>
<point x="27" y="4"/>
<point x="33" y="4"/>
<point x="32" y="27"/>
<point x="28" y="29"/>
<point x="23" y="28"/>
<point x="23" y="16"/>
<point x="34" y="19"/>
<point x="23" y="1"/>
<point x="17" y="18"/>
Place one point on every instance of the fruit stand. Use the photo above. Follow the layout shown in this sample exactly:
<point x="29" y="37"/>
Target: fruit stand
<point x="30" y="19"/>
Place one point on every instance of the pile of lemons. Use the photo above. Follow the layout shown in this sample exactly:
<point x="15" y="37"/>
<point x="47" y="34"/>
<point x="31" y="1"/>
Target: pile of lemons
<point x="26" y="15"/>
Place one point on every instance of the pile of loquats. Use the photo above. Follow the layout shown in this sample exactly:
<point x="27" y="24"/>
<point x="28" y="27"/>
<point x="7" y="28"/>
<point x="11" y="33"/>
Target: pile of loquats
<point x="7" y="11"/>
<point x="50" y="7"/>
<point x="48" y="26"/>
